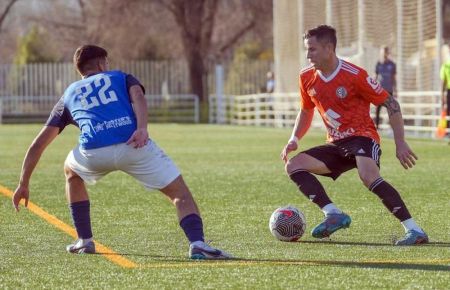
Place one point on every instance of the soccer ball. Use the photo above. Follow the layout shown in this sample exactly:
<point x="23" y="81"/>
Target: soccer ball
<point x="287" y="223"/>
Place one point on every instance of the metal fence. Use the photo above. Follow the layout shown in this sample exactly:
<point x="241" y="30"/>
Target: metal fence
<point x="421" y="111"/>
<point x="158" y="77"/>
<point x="168" y="108"/>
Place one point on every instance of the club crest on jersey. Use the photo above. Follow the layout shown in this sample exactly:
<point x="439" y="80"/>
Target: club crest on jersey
<point x="341" y="92"/>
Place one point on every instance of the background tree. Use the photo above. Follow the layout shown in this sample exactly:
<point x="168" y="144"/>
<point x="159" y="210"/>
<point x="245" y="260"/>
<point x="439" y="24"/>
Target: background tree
<point x="200" y="23"/>
<point x="35" y="47"/>
<point x="5" y="11"/>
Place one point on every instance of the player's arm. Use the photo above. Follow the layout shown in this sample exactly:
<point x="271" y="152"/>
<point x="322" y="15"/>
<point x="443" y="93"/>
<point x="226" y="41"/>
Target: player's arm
<point x="302" y="124"/>
<point x="405" y="155"/>
<point x="37" y="147"/>
<point x="140" y="136"/>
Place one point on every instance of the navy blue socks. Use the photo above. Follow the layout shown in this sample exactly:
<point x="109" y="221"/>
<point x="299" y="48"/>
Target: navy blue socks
<point x="80" y="212"/>
<point x="192" y="226"/>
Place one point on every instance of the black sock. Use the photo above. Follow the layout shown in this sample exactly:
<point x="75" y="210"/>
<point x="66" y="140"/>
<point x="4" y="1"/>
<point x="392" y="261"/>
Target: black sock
<point x="81" y="218"/>
<point x="192" y="226"/>
<point x="390" y="198"/>
<point x="311" y="187"/>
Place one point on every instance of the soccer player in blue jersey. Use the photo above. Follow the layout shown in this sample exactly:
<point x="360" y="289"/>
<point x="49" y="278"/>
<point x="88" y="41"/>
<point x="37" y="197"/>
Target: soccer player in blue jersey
<point x="110" y="109"/>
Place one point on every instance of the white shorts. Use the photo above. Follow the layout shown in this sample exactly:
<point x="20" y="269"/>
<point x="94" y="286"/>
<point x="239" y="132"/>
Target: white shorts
<point x="149" y="164"/>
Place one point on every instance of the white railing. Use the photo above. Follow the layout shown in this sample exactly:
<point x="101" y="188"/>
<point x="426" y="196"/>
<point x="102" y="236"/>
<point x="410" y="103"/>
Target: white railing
<point x="173" y="108"/>
<point x="421" y="111"/>
<point x="274" y="110"/>
<point x="50" y="79"/>
<point x="170" y="108"/>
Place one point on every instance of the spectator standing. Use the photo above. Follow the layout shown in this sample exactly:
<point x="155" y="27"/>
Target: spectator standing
<point x="385" y="73"/>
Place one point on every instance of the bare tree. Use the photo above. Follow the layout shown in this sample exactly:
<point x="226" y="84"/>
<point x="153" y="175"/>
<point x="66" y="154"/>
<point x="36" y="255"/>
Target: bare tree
<point x="5" y="11"/>
<point x="197" y="22"/>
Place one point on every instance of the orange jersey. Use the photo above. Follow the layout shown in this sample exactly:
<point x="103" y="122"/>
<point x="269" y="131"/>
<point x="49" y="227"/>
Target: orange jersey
<point x="342" y="99"/>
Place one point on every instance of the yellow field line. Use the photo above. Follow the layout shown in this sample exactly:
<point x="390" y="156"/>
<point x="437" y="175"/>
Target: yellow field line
<point x="105" y="251"/>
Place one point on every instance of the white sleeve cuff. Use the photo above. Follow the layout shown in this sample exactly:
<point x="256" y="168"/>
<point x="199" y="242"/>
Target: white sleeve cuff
<point x="293" y="138"/>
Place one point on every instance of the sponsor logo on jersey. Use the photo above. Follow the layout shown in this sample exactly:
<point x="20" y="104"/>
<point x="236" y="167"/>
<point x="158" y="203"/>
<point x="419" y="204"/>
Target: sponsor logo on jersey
<point x="337" y="135"/>
<point x="331" y="118"/>
<point x="341" y="92"/>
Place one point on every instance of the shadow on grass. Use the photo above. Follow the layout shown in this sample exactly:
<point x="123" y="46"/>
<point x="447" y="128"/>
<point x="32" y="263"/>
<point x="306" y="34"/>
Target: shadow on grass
<point x="331" y="242"/>
<point x="159" y="261"/>
<point x="356" y="264"/>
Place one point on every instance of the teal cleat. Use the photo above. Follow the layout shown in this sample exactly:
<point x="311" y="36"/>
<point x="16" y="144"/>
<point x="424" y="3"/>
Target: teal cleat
<point x="413" y="237"/>
<point x="202" y="251"/>
<point x="332" y="223"/>
<point x="78" y="248"/>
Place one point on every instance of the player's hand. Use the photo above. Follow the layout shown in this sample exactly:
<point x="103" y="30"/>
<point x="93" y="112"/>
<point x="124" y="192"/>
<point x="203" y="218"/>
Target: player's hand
<point x="405" y="155"/>
<point x="19" y="193"/>
<point x="290" y="146"/>
<point x="139" y="138"/>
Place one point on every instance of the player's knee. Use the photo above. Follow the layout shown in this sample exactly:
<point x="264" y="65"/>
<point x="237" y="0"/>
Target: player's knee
<point x="291" y="166"/>
<point x="182" y="198"/>
<point x="295" y="164"/>
<point x="70" y="174"/>
<point x="367" y="178"/>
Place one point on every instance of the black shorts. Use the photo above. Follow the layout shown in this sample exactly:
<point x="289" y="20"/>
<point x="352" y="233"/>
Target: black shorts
<point x="339" y="156"/>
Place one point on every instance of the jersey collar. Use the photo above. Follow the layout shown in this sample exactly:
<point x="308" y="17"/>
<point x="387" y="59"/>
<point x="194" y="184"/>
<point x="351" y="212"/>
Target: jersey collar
<point x="91" y="74"/>
<point x="330" y="77"/>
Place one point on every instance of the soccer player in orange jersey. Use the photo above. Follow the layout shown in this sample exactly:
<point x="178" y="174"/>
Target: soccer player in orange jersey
<point x="342" y="93"/>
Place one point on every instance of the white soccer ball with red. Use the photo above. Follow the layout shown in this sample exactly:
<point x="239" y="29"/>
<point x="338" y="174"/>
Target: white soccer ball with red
<point x="287" y="223"/>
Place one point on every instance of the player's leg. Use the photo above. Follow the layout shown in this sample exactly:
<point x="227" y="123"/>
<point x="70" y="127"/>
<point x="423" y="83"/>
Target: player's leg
<point x="300" y="169"/>
<point x="84" y="166"/>
<point x="187" y="210"/>
<point x="191" y="221"/>
<point x="79" y="205"/>
<point x="369" y="173"/>
<point x="155" y="170"/>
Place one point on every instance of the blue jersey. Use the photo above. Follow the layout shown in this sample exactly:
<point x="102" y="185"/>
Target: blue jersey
<point x="100" y="106"/>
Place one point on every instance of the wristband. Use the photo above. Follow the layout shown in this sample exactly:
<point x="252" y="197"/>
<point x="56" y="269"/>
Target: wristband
<point x="293" y="138"/>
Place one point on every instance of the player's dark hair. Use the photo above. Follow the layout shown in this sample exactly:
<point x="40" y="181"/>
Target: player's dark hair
<point x="86" y="57"/>
<point x="323" y="33"/>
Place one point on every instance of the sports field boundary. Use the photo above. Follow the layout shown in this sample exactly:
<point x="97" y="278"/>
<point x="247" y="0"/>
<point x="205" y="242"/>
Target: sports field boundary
<point x="108" y="253"/>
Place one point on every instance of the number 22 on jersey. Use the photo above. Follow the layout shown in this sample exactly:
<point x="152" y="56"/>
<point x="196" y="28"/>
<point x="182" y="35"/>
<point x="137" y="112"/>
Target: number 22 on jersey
<point x="105" y="94"/>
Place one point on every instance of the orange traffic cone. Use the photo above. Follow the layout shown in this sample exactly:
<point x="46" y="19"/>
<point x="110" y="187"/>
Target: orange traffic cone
<point x="442" y="125"/>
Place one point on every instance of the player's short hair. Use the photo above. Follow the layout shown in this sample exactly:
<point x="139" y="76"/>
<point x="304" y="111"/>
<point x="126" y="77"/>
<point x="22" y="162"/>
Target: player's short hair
<point x="323" y="33"/>
<point x="86" y="56"/>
